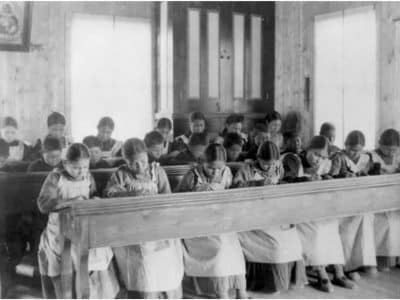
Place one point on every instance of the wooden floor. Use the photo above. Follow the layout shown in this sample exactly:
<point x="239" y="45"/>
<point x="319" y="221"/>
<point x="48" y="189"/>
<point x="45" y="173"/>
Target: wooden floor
<point x="386" y="285"/>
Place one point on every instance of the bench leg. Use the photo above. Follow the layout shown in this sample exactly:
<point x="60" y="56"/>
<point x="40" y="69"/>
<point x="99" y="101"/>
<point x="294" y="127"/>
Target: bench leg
<point x="66" y="273"/>
<point x="82" y="271"/>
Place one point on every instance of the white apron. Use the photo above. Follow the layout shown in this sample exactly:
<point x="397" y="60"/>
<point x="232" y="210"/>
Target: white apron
<point x="320" y="240"/>
<point x="387" y="224"/>
<point x="278" y="244"/>
<point x="50" y="250"/>
<point x="357" y="232"/>
<point x="151" y="266"/>
<point x="16" y="152"/>
<point x="217" y="255"/>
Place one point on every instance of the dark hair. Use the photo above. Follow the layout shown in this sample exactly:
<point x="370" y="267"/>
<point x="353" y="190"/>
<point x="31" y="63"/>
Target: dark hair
<point x="133" y="147"/>
<point x="260" y="127"/>
<point x="318" y="142"/>
<point x="106" y="122"/>
<point x="232" y="139"/>
<point x="290" y="135"/>
<point x="197" y="115"/>
<point x="390" y="137"/>
<point x="4" y="148"/>
<point x="215" y="152"/>
<point x="234" y="118"/>
<point x="268" y="151"/>
<point x="355" y="138"/>
<point x="10" y="121"/>
<point x="55" y="118"/>
<point x="164" y="123"/>
<point x="273" y="116"/>
<point x="153" y="138"/>
<point x="77" y="151"/>
<point x="291" y="162"/>
<point x="92" y="141"/>
<point x="197" y="139"/>
<point x="51" y="143"/>
<point x="325" y="128"/>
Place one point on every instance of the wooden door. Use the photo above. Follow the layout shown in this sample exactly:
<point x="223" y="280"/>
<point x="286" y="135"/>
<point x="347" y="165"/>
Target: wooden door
<point x="223" y="59"/>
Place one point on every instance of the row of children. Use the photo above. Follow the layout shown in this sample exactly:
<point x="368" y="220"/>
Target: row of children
<point x="187" y="148"/>
<point x="276" y="257"/>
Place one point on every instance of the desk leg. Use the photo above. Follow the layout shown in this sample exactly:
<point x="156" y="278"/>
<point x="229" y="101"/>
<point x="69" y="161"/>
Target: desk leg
<point x="82" y="255"/>
<point x="66" y="270"/>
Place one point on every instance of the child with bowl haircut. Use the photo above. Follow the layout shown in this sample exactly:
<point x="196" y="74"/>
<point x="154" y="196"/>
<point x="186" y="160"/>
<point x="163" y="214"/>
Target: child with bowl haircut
<point x="150" y="269"/>
<point x="109" y="146"/>
<point x="387" y="224"/>
<point x="274" y="254"/>
<point x="94" y="145"/>
<point x="51" y="156"/>
<point x="214" y="264"/>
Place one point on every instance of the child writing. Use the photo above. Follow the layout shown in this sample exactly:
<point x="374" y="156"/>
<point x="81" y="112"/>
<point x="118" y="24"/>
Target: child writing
<point x="357" y="232"/>
<point x="56" y="128"/>
<point x="233" y="144"/>
<point x="154" y="142"/>
<point x="387" y="224"/>
<point x="18" y="150"/>
<point x="274" y="255"/>
<point x="71" y="182"/>
<point x="109" y="146"/>
<point x="94" y="145"/>
<point x="328" y="130"/>
<point x="234" y="124"/>
<point x="215" y="264"/>
<point x="51" y="156"/>
<point x="195" y="151"/>
<point x="274" y="123"/>
<point x="320" y="240"/>
<point x="151" y="269"/>
<point x="197" y="124"/>
<point x="164" y="126"/>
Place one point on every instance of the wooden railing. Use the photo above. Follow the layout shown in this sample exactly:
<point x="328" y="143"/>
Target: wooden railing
<point x="131" y="220"/>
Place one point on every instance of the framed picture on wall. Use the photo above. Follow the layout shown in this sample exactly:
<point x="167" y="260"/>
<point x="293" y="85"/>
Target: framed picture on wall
<point x="15" y="26"/>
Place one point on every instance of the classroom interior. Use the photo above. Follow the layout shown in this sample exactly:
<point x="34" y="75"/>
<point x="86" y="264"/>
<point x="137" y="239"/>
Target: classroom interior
<point x="138" y="62"/>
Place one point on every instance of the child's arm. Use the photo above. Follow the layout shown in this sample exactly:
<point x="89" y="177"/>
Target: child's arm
<point x="49" y="196"/>
<point x="187" y="183"/>
<point x="163" y="182"/>
<point x="93" y="187"/>
<point x="115" y="186"/>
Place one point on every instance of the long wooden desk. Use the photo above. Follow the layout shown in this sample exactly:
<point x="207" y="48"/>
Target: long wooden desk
<point x="126" y="221"/>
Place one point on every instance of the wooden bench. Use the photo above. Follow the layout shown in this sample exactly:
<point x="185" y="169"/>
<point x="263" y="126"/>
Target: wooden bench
<point x="131" y="220"/>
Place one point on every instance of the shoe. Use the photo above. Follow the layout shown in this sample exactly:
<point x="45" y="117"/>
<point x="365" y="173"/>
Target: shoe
<point x="325" y="285"/>
<point x="370" y="271"/>
<point x="354" y="276"/>
<point x="343" y="282"/>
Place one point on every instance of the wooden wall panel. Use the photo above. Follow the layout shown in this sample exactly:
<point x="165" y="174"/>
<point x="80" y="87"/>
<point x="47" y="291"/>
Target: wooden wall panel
<point x="35" y="83"/>
<point x="294" y="58"/>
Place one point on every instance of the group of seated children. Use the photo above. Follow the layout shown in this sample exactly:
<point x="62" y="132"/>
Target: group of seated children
<point x="225" y="265"/>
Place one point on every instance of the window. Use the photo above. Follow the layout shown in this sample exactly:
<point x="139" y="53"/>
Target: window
<point x="238" y="55"/>
<point x="256" y="61"/>
<point x="345" y="73"/>
<point x="213" y="53"/>
<point x="194" y="52"/>
<point x="111" y="74"/>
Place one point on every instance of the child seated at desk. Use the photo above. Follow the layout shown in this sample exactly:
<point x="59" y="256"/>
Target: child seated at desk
<point x="150" y="269"/>
<point x="108" y="146"/>
<point x="154" y="142"/>
<point x="321" y="242"/>
<point x="195" y="151"/>
<point x="197" y="124"/>
<point x="94" y="145"/>
<point x="164" y="126"/>
<point x="51" y="156"/>
<point x="273" y="255"/>
<point x="18" y="150"/>
<point x="214" y="264"/>
<point x="274" y="123"/>
<point x="56" y="128"/>
<point x="387" y="224"/>
<point x="71" y="182"/>
<point x="233" y="144"/>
